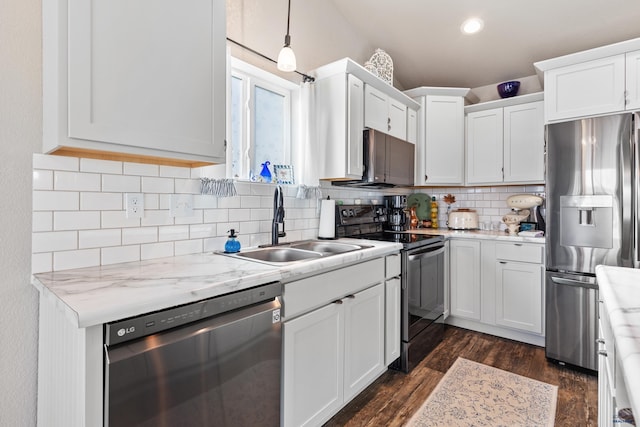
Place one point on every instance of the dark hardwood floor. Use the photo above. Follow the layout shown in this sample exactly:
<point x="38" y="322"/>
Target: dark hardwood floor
<point x="392" y="399"/>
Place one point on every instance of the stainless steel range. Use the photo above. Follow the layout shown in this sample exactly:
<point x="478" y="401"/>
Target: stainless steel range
<point x="422" y="294"/>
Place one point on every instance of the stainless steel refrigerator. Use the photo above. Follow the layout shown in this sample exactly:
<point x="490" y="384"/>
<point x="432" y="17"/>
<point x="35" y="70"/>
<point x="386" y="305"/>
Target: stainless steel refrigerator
<point x="592" y="219"/>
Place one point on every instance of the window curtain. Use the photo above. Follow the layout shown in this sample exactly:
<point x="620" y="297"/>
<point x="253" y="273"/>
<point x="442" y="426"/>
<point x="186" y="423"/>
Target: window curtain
<point x="307" y="153"/>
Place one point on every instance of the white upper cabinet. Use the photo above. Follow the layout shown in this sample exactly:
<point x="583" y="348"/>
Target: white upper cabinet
<point x="505" y="141"/>
<point x="587" y="89"/>
<point x="440" y="142"/>
<point x="632" y="62"/>
<point x="594" y="82"/>
<point x="384" y="113"/>
<point x="127" y="82"/>
<point x="349" y="98"/>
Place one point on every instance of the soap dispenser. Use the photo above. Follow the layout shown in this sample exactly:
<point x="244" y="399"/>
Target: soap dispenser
<point x="232" y="245"/>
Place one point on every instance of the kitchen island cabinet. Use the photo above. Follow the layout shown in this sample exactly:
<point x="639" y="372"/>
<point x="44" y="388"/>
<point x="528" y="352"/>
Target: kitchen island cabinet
<point x="440" y="142"/>
<point x="143" y="83"/>
<point x="505" y="141"/>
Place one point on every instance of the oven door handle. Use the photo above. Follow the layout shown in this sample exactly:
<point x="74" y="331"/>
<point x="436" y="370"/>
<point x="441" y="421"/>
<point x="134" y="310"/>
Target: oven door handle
<point x="437" y="250"/>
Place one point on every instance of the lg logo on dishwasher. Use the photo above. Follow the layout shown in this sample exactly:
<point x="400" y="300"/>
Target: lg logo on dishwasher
<point x="123" y="331"/>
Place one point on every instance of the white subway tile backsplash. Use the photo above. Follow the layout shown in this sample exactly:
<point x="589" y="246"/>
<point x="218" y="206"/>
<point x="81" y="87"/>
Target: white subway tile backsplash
<point x="100" y="166"/>
<point x="99" y="238"/>
<point x="156" y="250"/>
<point x="81" y="220"/>
<point x="52" y="241"/>
<point x="41" y="263"/>
<point x="184" y="247"/>
<point x="42" y="179"/>
<point x="132" y="236"/>
<point x="202" y="230"/>
<point x="91" y="227"/>
<point x="187" y="186"/>
<point x="141" y="169"/>
<point x="159" y="217"/>
<point x="117" y="219"/>
<point x="42" y="221"/>
<point x="55" y="201"/>
<point x="76" y="181"/>
<point x="101" y="201"/>
<point x="44" y="161"/>
<point x="173" y="232"/>
<point x="175" y="172"/>
<point x="76" y="259"/>
<point x="157" y="185"/>
<point x="121" y="183"/>
<point x="120" y="254"/>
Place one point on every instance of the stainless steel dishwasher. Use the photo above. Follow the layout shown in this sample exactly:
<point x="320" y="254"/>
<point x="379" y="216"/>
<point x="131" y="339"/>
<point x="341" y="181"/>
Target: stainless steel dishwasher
<point x="212" y="362"/>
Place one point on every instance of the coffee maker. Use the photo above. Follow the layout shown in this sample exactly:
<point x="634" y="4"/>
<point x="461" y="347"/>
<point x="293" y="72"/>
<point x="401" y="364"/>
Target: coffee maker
<point x="396" y="212"/>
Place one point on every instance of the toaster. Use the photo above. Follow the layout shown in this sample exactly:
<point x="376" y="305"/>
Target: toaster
<point x="463" y="219"/>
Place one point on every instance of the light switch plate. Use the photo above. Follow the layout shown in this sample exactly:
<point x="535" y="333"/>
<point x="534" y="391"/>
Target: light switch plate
<point x="181" y="205"/>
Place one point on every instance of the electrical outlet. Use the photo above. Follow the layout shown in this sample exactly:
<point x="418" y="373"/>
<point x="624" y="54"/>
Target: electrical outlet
<point x="134" y="205"/>
<point x="181" y="205"/>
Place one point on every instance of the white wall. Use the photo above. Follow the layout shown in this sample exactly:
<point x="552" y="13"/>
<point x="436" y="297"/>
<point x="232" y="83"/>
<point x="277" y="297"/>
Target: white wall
<point x="20" y="136"/>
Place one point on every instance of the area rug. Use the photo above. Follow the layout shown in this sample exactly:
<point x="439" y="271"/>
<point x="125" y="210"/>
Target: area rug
<point x="473" y="394"/>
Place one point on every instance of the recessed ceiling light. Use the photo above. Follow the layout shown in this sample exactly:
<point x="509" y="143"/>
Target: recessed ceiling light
<point x="472" y="26"/>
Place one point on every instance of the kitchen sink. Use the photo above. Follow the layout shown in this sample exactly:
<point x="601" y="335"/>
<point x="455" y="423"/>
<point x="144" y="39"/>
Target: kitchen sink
<point x="297" y="251"/>
<point x="327" y="248"/>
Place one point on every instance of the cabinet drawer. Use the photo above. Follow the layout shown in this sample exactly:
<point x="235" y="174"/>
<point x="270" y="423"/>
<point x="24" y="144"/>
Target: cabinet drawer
<point x="520" y="252"/>
<point x="392" y="266"/>
<point x="306" y="294"/>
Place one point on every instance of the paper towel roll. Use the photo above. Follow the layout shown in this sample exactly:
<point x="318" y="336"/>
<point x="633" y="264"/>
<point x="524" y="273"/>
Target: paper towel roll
<point x="327" y="228"/>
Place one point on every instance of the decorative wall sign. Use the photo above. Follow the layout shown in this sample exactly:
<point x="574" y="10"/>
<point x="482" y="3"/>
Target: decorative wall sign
<point x="284" y="174"/>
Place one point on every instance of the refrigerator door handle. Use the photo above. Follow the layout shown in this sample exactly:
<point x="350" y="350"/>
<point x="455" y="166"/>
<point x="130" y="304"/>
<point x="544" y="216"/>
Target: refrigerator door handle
<point x="591" y="284"/>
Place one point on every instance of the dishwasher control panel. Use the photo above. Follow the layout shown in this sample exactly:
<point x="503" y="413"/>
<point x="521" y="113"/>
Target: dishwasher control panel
<point x="147" y="324"/>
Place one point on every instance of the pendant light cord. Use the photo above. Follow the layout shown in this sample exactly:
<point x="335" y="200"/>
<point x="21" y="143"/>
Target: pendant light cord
<point x="287" y="38"/>
<point x="305" y="78"/>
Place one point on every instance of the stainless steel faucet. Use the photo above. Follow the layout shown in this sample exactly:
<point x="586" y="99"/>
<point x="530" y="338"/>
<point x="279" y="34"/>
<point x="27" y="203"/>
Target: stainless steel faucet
<point x="278" y="216"/>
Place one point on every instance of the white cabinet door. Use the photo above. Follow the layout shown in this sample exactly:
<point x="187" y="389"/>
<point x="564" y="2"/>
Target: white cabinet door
<point x="392" y="320"/>
<point x="314" y="371"/>
<point x="524" y="143"/>
<point x="484" y="146"/>
<point x="633" y="80"/>
<point x="397" y="119"/>
<point x="464" y="259"/>
<point x="519" y="295"/>
<point x="136" y="85"/>
<point x="443" y="142"/>
<point x="355" y="126"/>
<point x="585" y="89"/>
<point x="364" y="339"/>
<point x="412" y="126"/>
<point x="376" y="110"/>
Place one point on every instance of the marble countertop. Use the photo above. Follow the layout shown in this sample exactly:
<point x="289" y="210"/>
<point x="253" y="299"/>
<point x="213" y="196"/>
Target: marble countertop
<point x="620" y="291"/>
<point x="477" y="234"/>
<point x="95" y="295"/>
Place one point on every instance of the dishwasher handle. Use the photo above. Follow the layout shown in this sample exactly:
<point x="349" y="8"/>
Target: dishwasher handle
<point x="591" y="284"/>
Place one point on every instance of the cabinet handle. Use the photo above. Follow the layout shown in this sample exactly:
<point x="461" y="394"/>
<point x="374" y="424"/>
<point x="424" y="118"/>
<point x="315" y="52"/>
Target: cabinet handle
<point x="600" y="341"/>
<point x="350" y="296"/>
<point x="502" y="262"/>
<point x="338" y="301"/>
<point x="518" y="244"/>
<point x="602" y="353"/>
<point x="426" y="177"/>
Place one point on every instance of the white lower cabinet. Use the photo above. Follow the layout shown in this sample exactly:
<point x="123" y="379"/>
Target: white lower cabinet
<point x="335" y="330"/>
<point x="518" y="295"/>
<point x="392" y="320"/>
<point x="331" y="354"/>
<point x="498" y="288"/>
<point x="465" y="278"/>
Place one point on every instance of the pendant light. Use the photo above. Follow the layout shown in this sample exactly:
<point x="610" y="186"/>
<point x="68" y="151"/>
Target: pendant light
<point x="286" y="58"/>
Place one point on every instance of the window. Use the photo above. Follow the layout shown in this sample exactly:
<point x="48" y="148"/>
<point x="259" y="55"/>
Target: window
<point x="261" y="117"/>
